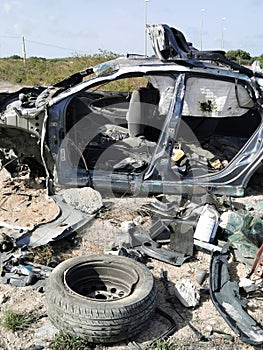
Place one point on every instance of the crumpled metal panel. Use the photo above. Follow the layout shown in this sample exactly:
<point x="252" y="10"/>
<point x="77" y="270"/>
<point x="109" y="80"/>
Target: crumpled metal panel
<point x="68" y="221"/>
<point x="227" y="300"/>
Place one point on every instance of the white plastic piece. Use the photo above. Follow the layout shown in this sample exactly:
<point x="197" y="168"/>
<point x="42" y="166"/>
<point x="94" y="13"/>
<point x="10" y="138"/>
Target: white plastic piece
<point x="187" y="293"/>
<point x="207" y="224"/>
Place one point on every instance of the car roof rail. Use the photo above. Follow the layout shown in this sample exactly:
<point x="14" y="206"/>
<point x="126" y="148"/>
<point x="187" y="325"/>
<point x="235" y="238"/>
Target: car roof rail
<point x="220" y="57"/>
<point x="170" y="44"/>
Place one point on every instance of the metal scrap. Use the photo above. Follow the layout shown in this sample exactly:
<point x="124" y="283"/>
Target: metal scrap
<point x="256" y="272"/>
<point x="68" y="221"/>
<point x="17" y="270"/>
<point x="227" y="300"/>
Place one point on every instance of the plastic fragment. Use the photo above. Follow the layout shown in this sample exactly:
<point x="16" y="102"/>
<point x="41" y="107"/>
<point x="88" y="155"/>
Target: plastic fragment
<point x="187" y="293"/>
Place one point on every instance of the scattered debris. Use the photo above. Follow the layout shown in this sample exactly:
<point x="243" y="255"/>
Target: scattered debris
<point x="207" y="224"/>
<point x="170" y="299"/>
<point x="244" y="229"/>
<point x="187" y="293"/>
<point x="68" y="220"/>
<point x="226" y="298"/>
<point x="201" y="275"/>
<point x="17" y="270"/>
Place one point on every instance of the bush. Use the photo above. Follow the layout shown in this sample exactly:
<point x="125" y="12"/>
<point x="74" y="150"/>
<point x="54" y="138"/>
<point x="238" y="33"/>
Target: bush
<point x="42" y="71"/>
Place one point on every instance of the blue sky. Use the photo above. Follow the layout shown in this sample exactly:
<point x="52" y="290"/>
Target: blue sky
<point x="64" y="28"/>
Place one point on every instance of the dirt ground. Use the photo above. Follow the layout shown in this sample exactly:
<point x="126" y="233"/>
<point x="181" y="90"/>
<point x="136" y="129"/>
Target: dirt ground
<point x="24" y="204"/>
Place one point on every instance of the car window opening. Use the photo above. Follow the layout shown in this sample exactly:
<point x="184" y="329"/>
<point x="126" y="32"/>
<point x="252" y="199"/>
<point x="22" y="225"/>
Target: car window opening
<point x="218" y="119"/>
<point x="118" y="125"/>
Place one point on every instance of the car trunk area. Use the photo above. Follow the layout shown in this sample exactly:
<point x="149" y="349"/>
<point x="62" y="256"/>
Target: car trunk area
<point x="218" y="118"/>
<point x="213" y="141"/>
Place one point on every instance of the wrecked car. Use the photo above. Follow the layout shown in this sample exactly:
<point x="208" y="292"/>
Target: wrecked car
<point x="195" y="117"/>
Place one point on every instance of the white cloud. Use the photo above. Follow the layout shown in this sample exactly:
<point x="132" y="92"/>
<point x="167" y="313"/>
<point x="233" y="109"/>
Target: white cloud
<point x="52" y="18"/>
<point x="7" y="8"/>
<point x="21" y="29"/>
<point x="88" y="34"/>
<point x="17" y="29"/>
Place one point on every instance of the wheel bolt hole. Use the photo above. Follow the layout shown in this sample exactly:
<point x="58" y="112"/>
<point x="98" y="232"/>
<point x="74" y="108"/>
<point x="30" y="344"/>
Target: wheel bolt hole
<point x="100" y="296"/>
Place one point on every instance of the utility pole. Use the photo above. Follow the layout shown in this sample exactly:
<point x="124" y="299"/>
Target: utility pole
<point x="222" y="33"/>
<point x="24" y="50"/>
<point x="201" y="29"/>
<point x="145" y="28"/>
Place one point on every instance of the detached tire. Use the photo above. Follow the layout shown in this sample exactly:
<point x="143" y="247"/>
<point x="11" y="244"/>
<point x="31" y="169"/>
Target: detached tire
<point x="100" y="298"/>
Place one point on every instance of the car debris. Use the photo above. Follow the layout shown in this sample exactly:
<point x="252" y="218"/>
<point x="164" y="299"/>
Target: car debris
<point x="18" y="270"/>
<point x="201" y="275"/>
<point x="243" y="228"/>
<point x="227" y="300"/>
<point x="24" y="275"/>
<point x="248" y="285"/>
<point x="178" y="227"/>
<point x="223" y="335"/>
<point x="73" y="214"/>
<point x="207" y="224"/>
<point x="174" y="226"/>
<point x="170" y="299"/>
<point x="140" y="241"/>
<point x="187" y="293"/>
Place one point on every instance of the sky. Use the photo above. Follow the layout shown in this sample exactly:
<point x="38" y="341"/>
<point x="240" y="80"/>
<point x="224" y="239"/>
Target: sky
<point x="67" y="28"/>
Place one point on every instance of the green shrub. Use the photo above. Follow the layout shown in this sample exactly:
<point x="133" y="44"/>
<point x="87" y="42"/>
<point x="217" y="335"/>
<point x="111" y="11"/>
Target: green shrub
<point x="42" y="71"/>
<point x="163" y="345"/>
<point x="68" y="342"/>
<point x="17" y="321"/>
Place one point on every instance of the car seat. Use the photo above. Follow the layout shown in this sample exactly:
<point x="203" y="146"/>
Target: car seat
<point x="142" y="113"/>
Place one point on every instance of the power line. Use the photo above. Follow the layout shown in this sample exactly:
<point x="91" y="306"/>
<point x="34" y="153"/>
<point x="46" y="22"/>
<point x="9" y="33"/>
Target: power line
<point x="25" y="41"/>
<point x="37" y="42"/>
<point x="50" y="45"/>
<point x="10" y="36"/>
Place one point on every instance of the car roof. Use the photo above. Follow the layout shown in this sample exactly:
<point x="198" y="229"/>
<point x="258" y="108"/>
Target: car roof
<point x="147" y="65"/>
<point x="141" y="65"/>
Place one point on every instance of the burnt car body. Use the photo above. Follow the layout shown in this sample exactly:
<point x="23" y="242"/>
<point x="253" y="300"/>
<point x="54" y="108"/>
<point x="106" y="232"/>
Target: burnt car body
<point x="195" y="119"/>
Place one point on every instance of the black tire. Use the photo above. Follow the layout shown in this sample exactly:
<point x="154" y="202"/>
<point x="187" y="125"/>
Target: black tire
<point x="100" y="298"/>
